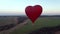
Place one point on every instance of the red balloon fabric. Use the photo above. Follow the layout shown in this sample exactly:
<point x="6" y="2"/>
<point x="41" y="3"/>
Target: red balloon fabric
<point x="33" y="12"/>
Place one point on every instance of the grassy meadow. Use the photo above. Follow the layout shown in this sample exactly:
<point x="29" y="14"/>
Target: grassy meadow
<point x="39" y="23"/>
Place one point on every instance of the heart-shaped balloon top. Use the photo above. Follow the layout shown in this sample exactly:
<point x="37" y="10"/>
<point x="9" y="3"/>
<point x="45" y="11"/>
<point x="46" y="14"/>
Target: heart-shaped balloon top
<point x="33" y="12"/>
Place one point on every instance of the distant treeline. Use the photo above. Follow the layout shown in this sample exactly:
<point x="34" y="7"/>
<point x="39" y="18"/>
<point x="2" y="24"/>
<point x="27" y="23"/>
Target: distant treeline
<point x="41" y="16"/>
<point x="50" y="16"/>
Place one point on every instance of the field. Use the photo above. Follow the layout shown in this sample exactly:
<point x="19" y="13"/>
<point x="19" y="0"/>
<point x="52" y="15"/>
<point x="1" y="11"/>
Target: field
<point x="4" y="20"/>
<point x="40" y="23"/>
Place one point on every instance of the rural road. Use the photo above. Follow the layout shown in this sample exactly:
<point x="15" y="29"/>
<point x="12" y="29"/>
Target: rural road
<point x="14" y="28"/>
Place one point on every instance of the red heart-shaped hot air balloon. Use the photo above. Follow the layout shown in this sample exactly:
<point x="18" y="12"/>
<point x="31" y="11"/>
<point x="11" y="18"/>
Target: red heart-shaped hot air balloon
<point x="33" y="12"/>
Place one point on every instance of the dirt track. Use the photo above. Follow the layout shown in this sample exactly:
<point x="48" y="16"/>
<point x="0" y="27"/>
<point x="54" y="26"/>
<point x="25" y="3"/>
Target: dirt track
<point x="14" y="28"/>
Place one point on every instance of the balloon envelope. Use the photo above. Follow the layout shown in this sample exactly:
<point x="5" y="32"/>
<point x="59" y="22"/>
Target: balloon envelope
<point x="33" y="12"/>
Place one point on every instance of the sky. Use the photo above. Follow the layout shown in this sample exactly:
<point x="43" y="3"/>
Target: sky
<point x="17" y="7"/>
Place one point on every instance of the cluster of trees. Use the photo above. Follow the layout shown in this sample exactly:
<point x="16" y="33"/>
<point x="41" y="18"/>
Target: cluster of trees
<point x="6" y="27"/>
<point x="21" y="19"/>
<point x="46" y="30"/>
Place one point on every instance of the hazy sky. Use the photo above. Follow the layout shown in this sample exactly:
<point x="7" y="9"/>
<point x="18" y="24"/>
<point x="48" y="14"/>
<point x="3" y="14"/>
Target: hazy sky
<point x="18" y="6"/>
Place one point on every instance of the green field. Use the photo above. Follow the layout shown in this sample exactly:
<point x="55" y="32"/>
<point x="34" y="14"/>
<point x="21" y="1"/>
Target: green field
<point x="40" y="22"/>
